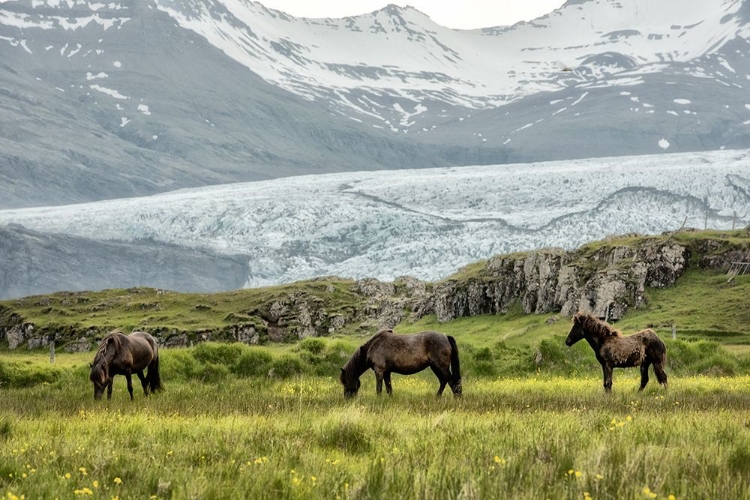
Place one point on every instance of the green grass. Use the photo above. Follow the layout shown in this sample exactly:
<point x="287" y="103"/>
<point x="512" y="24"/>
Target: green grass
<point x="531" y="437"/>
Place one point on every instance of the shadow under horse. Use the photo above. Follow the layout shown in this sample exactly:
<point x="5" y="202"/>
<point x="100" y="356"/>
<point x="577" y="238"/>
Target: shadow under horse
<point x="614" y="350"/>
<point x="387" y="352"/>
<point x="120" y="354"/>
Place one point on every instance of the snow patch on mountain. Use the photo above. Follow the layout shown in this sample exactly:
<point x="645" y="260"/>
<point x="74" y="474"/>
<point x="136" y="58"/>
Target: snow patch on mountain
<point x="109" y="92"/>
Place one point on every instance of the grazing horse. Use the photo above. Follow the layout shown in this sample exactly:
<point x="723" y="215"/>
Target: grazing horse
<point x="613" y="350"/>
<point x="387" y="352"/>
<point x="120" y="354"/>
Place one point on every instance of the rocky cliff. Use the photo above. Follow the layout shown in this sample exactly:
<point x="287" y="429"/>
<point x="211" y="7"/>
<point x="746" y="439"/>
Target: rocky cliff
<point x="606" y="278"/>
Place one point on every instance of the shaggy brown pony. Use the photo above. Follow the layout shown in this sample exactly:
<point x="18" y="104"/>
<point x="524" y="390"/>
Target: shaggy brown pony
<point x="387" y="352"/>
<point x="613" y="350"/>
<point x="120" y="354"/>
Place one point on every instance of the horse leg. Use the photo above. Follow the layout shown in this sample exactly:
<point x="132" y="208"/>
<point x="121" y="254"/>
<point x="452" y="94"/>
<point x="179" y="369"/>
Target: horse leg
<point x="442" y="377"/>
<point x="644" y="374"/>
<point x="607" y="377"/>
<point x="130" y="383"/>
<point x="387" y="380"/>
<point x="109" y="388"/>
<point x="661" y="375"/>
<point x="144" y="382"/>
<point x="378" y="381"/>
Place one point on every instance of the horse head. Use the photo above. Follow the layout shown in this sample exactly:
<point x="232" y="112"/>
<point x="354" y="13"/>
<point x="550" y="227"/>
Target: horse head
<point x="99" y="374"/>
<point x="351" y="383"/>
<point x="577" y="332"/>
<point x="99" y="377"/>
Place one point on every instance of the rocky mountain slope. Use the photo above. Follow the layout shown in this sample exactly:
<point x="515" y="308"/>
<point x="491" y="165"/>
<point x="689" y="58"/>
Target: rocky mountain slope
<point x="135" y="97"/>
<point x="607" y="278"/>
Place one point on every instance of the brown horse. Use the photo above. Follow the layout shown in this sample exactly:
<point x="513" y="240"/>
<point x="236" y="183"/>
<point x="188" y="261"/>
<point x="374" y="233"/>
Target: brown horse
<point x="387" y="352"/>
<point x="120" y="354"/>
<point x="613" y="350"/>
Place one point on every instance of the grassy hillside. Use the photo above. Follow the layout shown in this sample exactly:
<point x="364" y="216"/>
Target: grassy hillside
<point x="149" y="308"/>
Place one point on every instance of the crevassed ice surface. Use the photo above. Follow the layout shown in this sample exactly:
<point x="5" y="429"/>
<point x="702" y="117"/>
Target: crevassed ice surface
<point x="423" y="223"/>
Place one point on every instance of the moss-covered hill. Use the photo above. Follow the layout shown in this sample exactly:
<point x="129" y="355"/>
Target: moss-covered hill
<point x="662" y="280"/>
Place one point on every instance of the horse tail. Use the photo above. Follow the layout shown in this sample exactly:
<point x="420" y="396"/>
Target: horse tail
<point x="455" y="366"/>
<point x="154" y="379"/>
<point x="661" y="361"/>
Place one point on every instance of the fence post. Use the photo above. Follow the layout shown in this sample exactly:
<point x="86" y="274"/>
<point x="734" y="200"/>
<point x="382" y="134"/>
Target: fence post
<point x="52" y="353"/>
<point x="674" y="332"/>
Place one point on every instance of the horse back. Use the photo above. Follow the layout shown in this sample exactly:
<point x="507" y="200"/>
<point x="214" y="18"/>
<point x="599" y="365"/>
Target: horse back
<point x="139" y="350"/>
<point x="654" y="346"/>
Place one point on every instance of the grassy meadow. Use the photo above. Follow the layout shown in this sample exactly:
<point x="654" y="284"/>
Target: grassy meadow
<point x="529" y="437"/>
<point x="236" y="421"/>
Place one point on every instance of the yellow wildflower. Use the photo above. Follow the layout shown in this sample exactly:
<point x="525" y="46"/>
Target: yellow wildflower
<point x="67" y="475"/>
<point x="599" y="477"/>
<point x="82" y="470"/>
<point x="95" y="484"/>
<point x="579" y="473"/>
<point x="117" y="480"/>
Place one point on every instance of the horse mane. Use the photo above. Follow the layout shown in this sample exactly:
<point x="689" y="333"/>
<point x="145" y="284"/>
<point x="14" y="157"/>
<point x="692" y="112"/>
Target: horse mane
<point x="356" y="365"/>
<point x="97" y="366"/>
<point x="593" y="325"/>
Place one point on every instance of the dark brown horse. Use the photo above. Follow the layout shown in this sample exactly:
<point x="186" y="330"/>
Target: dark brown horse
<point x="613" y="350"/>
<point x="120" y="354"/>
<point x="387" y="352"/>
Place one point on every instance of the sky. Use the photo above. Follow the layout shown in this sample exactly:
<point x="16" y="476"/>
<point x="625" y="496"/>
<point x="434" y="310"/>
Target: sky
<point x="462" y="14"/>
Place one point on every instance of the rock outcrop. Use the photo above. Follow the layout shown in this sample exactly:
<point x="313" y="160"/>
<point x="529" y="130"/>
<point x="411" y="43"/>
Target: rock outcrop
<point x="604" y="281"/>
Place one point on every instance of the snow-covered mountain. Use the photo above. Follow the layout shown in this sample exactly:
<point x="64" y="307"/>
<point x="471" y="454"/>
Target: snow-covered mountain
<point x="424" y="223"/>
<point x="131" y="97"/>
<point x="386" y="66"/>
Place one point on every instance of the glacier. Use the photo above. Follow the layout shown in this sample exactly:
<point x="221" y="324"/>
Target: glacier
<point x="425" y="223"/>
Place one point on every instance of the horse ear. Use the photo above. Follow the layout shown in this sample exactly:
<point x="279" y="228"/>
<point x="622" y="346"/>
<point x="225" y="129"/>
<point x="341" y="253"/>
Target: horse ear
<point x="342" y="370"/>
